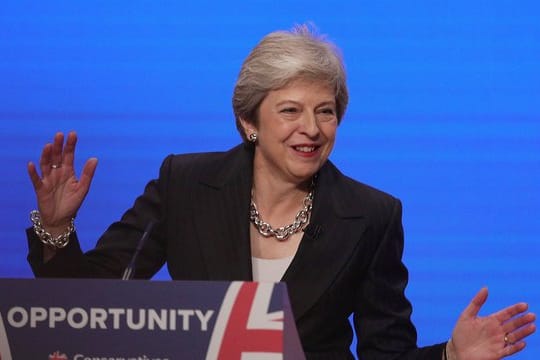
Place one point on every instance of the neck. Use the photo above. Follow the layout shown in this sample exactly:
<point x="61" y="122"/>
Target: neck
<point x="280" y="212"/>
<point x="268" y="192"/>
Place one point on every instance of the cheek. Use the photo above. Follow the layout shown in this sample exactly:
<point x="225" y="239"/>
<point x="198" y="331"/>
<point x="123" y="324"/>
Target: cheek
<point x="329" y="130"/>
<point x="284" y="130"/>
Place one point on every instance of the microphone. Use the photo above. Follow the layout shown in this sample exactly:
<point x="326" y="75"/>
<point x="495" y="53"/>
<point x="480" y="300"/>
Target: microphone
<point x="130" y="269"/>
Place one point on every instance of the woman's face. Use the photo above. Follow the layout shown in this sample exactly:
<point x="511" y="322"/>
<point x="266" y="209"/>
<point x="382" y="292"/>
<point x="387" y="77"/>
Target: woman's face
<point x="296" y="130"/>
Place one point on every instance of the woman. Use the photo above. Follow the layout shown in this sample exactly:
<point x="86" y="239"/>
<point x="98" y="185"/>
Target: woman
<point x="269" y="209"/>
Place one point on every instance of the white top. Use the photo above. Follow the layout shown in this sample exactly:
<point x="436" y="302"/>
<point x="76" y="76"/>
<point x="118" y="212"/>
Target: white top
<point x="269" y="270"/>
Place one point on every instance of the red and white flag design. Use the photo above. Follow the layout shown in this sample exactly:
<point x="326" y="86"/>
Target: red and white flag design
<point x="244" y="328"/>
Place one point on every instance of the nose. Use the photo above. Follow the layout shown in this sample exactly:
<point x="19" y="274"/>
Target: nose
<point x="310" y="125"/>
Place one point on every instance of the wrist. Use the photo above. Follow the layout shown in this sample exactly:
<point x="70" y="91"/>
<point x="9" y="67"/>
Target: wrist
<point x="450" y="351"/>
<point x="56" y="236"/>
<point x="55" y="230"/>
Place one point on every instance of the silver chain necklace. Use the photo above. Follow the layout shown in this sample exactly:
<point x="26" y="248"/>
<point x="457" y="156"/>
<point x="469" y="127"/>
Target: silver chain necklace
<point x="282" y="233"/>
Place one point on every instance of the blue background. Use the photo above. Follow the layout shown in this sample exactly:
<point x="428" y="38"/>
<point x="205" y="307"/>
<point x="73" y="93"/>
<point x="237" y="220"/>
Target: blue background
<point x="444" y="114"/>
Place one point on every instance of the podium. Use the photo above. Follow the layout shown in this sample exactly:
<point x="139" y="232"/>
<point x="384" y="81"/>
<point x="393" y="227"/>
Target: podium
<point x="89" y="319"/>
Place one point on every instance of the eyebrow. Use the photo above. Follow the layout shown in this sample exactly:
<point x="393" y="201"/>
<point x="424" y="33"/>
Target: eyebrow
<point x="324" y="103"/>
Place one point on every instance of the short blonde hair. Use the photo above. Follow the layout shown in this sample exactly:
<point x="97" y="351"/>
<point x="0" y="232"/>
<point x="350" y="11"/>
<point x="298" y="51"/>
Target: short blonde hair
<point x="280" y="58"/>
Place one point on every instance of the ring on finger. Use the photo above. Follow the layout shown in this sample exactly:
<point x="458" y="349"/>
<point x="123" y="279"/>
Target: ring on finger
<point x="506" y="340"/>
<point x="55" y="166"/>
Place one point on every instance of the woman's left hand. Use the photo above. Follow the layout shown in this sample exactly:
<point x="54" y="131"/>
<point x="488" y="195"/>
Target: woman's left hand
<point x="492" y="337"/>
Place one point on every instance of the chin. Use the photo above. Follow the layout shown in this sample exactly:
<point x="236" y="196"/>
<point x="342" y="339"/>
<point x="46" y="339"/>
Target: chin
<point x="306" y="174"/>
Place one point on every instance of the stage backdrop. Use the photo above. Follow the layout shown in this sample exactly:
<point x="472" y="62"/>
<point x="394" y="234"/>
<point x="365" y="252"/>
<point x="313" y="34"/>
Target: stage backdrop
<point x="444" y="114"/>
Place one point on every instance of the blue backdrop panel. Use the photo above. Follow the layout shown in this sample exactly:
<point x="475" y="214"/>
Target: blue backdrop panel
<point x="444" y="115"/>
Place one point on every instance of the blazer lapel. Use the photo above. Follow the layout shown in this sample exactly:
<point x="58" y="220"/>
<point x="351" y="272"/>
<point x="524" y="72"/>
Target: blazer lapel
<point x="222" y="221"/>
<point x="327" y="244"/>
<point x="222" y="227"/>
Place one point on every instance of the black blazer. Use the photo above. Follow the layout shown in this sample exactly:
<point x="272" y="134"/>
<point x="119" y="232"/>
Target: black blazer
<point x="348" y="262"/>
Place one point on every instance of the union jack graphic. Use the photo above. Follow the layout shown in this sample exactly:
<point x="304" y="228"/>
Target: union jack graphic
<point x="244" y="328"/>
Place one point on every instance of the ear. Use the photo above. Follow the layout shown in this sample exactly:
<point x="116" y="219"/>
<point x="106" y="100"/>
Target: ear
<point x="247" y="127"/>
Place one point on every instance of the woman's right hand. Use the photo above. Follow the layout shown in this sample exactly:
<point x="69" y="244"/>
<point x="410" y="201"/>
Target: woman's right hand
<point x="59" y="193"/>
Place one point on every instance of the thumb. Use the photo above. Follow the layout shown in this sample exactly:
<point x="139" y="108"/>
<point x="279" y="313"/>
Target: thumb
<point x="476" y="303"/>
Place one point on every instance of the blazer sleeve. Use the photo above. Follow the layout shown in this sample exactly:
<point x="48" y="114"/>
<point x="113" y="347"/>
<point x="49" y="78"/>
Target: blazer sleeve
<point x="116" y="246"/>
<point x="382" y="318"/>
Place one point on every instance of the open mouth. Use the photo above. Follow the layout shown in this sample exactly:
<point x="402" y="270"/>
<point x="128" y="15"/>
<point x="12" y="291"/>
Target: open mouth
<point x="307" y="149"/>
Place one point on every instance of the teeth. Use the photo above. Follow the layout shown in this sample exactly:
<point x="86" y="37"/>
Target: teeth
<point x="304" y="148"/>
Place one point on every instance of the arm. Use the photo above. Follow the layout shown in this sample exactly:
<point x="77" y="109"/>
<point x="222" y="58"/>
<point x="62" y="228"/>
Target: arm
<point x="113" y="250"/>
<point x="58" y="191"/>
<point x="383" y="324"/>
<point x="382" y="317"/>
<point x="60" y="195"/>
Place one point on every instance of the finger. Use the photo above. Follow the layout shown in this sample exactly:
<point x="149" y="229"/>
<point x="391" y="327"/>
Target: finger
<point x="68" y="154"/>
<point x="511" y="311"/>
<point x="521" y="333"/>
<point x="511" y="349"/>
<point x="474" y="307"/>
<point x="88" y="173"/>
<point x="45" y="161"/>
<point x="518" y="322"/>
<point x="34" y="177"/>
<point x="57" y="149"/>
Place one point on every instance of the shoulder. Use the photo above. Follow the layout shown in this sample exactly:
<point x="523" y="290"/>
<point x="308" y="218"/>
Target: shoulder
<point x="368" y="193"/>
<point x="209" y="167"/>
<point x="195" y="160"/>
<point x="205" y="161"/>
<point x="352" y="197"/>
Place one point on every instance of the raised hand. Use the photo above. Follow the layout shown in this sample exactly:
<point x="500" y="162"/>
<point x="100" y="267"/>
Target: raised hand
<point x="59" y="193"/>
<point x="492" y="337"/>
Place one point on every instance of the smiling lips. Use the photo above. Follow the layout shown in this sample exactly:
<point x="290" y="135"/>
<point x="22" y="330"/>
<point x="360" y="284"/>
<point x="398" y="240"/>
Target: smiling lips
<point x="306" y="150"/>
